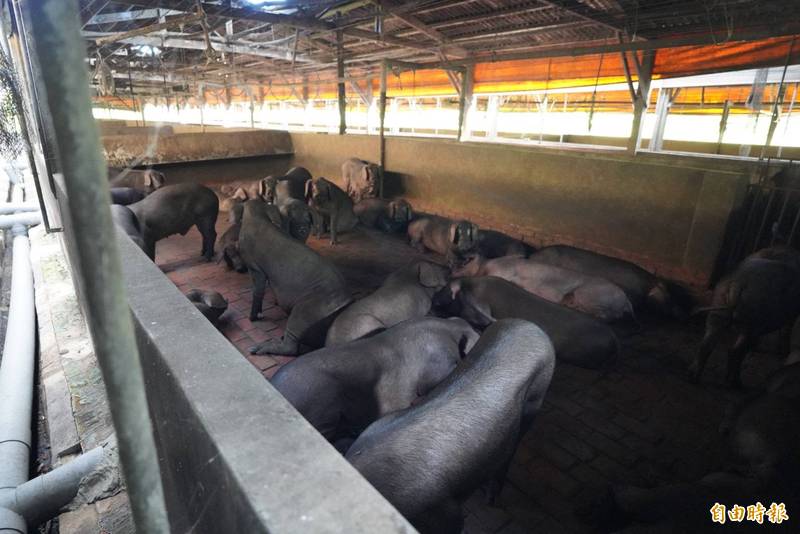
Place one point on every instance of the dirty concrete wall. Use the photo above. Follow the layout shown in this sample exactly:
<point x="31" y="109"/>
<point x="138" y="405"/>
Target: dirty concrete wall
<point x="170" y="147"/>
<point x="225" y="170"/>
<point x="667" y="213"/>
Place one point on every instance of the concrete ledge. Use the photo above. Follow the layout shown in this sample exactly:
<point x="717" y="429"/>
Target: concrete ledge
<point x="147" y="148"/>
<point x="236" y="457"/>
<point x="72" y="390"/>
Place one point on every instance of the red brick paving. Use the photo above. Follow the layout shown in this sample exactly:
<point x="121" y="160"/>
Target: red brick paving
<point x="642" y="423"/>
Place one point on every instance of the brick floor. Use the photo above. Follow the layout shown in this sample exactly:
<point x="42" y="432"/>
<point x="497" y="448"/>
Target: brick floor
<point x="642" y="423"/>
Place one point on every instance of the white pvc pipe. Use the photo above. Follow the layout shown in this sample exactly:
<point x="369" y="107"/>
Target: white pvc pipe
<point x="41" y="498"/>
<point x="15" y="207"/>
<point x="24" y="219"/>
<point x="10" y="521"/>
<point x="24" y="502"/>
<point x="16" y="371"/>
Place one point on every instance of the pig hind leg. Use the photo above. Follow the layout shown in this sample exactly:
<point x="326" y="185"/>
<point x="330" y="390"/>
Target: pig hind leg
<point x="744" y="341"/>
<point x="259" y="289"/>
<point x="714" y="330"/>
<point x="209" y="233"/>
<point x="445" y="518"/>
<point x="306" y="321"/>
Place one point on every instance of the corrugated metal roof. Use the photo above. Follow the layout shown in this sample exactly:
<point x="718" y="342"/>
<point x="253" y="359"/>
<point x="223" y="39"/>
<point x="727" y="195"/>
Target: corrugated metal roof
<point x="298" y="38"/>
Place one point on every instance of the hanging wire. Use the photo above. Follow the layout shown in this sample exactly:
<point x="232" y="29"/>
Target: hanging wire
<point x="726" y="17"/>
<point x="105" y="79"/>
<point x="594" y="92"/>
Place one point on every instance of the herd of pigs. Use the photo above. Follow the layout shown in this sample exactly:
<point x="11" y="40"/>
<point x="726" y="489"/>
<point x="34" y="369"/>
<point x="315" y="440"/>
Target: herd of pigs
<point x="428" y="384"/>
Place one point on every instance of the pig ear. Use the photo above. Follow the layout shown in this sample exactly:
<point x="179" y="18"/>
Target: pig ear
<point x="324" y="188"/>
<point x="455" y="233"/>
<point x="477" y="314"/>
<point x="158" y="179"/>
<point x="467" y="341"/>
<point x="430" y="276"/>
<point x="262" y="188"/>
<point x="309" y="189"/>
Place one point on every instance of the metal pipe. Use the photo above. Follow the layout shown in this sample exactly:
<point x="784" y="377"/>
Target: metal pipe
<point x="24" y="502"/>
<point x="11" y="521"/>
<point x="23" y="219"/>
<point x="17" y="369"/>
<point x="14" y="207"/>
<point x="41" y="498"/>
<point x="60" y="49"/>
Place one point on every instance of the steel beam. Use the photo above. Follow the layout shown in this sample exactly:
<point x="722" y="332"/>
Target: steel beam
<point x="190" y="44"/>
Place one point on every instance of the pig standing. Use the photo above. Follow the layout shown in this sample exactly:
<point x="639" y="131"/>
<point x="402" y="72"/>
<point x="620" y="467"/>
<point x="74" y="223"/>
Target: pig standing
<point x="174" y="209"/>
<point x="332" y="206"/>
<point x="361" y="179"/>
<point x="341" y="390"/>
<point x="761" y="296"/>
<point x="303" y="281"/>
<point x="427" y="459"/>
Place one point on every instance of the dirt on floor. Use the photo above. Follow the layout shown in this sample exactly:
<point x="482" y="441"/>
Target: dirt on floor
<point x="642" y="423"/>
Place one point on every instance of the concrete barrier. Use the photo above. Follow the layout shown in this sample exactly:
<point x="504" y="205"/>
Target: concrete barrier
<point x="149" y="148"/>
<point x="235" y="456"/>
<point x="667" y="213"/>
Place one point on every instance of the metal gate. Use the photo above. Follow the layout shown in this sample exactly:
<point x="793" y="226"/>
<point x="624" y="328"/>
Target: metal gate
<point x="770" y="215"/>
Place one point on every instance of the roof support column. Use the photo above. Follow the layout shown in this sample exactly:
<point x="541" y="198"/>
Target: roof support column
<point x="382" y="111"/>
<point x="341" y="83"/>
<point x="640" y="99"/>
<point x="723" y="124"/>
<point x="778" y="104"/>
<point x="666" y="97"/>
<point x="467" y="78"/>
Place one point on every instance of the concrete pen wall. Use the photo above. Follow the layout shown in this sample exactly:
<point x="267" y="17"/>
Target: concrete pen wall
<point x="235" y="455"/>
<point x="668" y="213"/>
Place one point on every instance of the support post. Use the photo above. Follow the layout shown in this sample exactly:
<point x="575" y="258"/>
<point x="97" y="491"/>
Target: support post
<point x="341" y="82"/>
<point x="492" y="109"/>
<point x="467" y="79"/>
<point x="788" y="117"/>
<point x="640" y="102"/>
<point x="60" y="49"/>
<point x="384" y="68"/>
<point x="778" y="104"/>
<point x="141" y="110"/>
<point x="723" y="124"/>
<point x="755" y="102"/>
<point x="666" y="97"/>
<point x="252" y="109"/>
